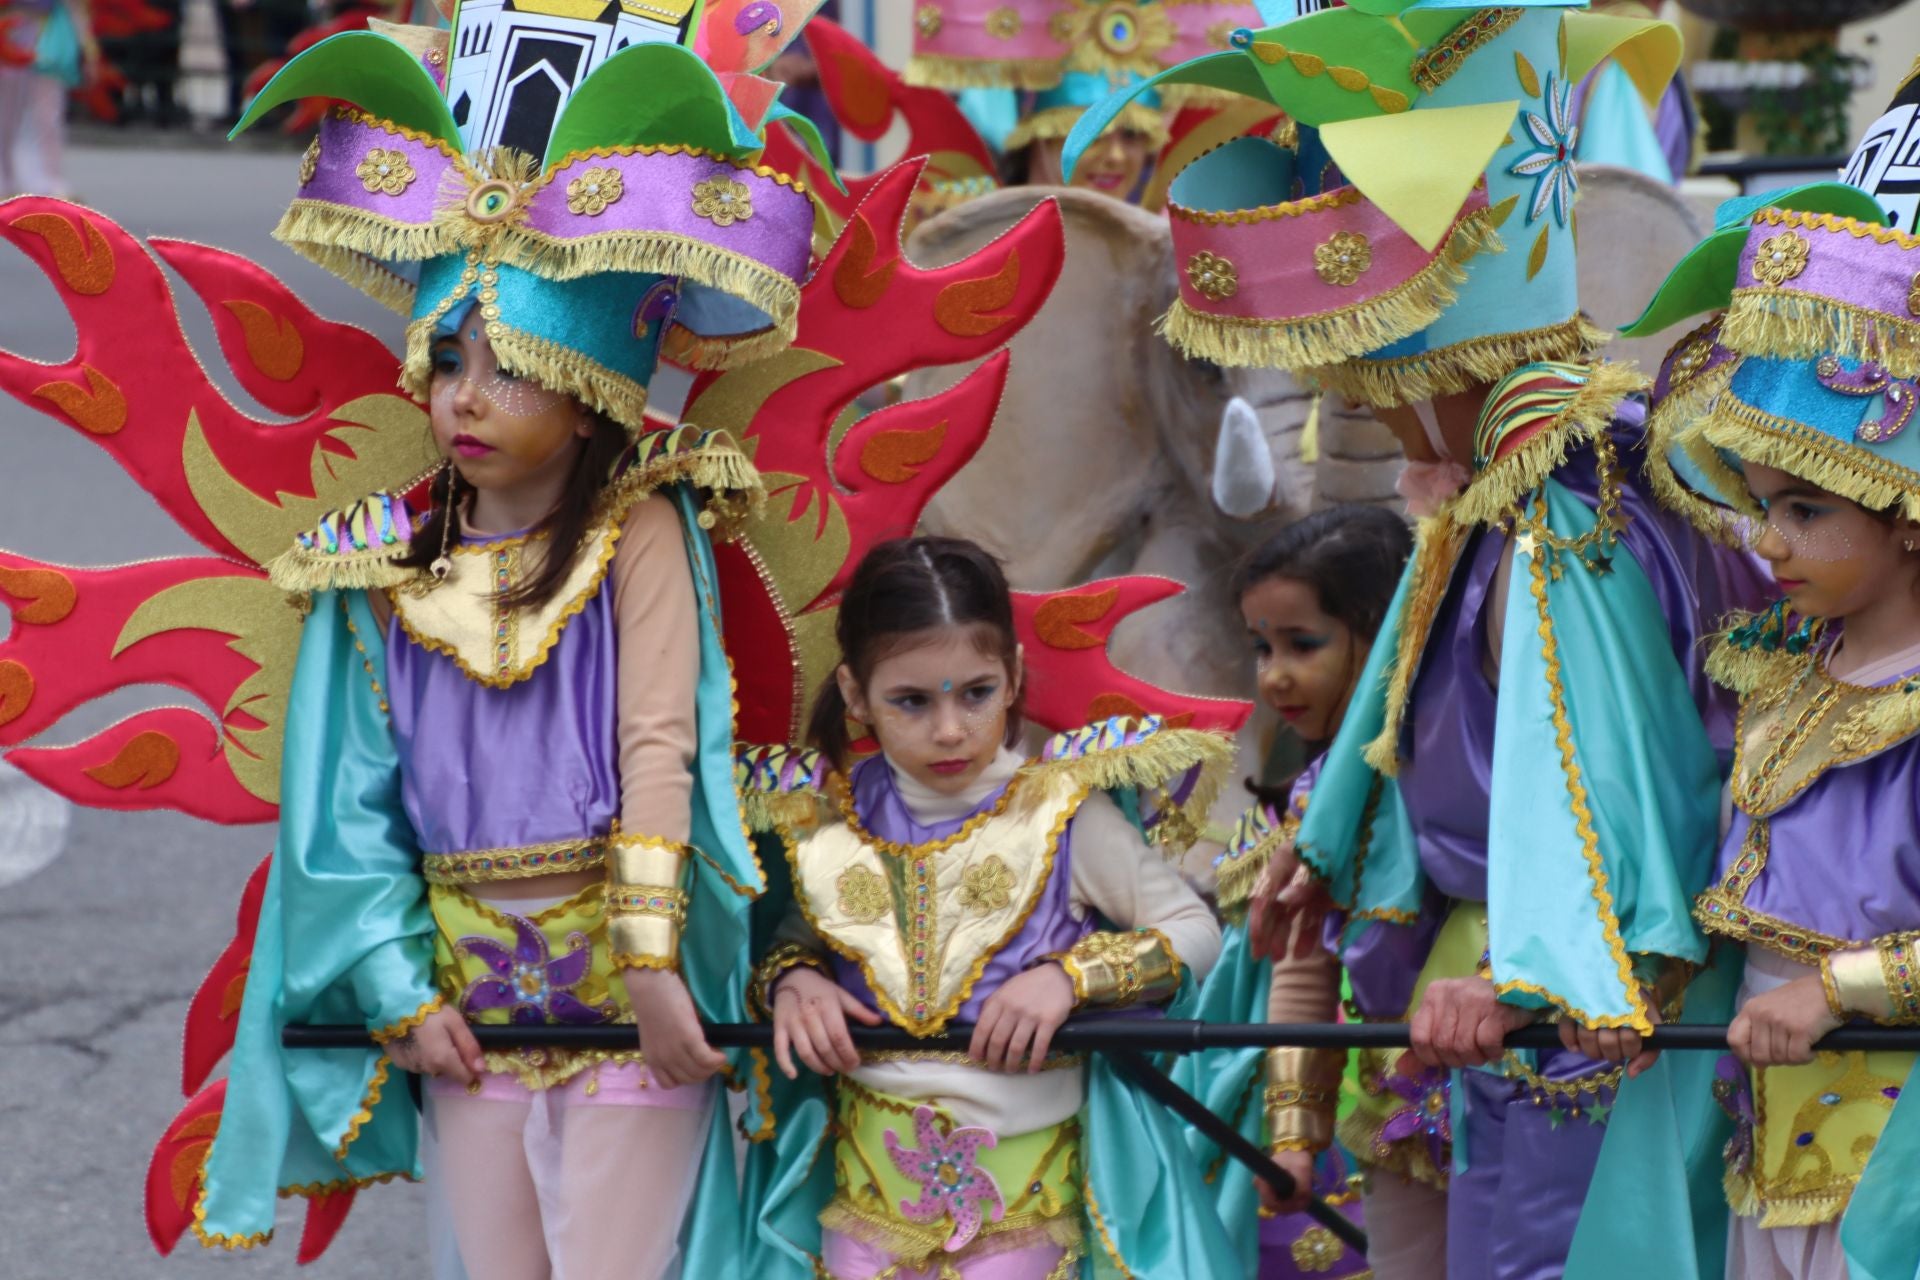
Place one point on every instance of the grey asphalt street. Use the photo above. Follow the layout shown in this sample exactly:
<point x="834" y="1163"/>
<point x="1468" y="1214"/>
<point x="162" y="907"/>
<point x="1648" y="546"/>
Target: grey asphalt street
<point x="102" y="945"/>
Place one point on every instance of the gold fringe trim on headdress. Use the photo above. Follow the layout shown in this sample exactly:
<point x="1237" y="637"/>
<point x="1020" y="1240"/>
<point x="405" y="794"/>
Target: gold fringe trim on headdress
<point x="1755" y="435"/>
<point x="1315" y="342"/>
<point x="696" y="351"/>
<point x="1670" y="427"/>
<point x="1057" y="123"/>
<point x="934" y="71"/>
<point x="1152" y="762"/>
<point x="661" y="253"/>
<point x="553" y="366"/>
<point x="391" y="290"/>
<point x="1388" y="384"/>
<point x="1493" y="495"/>
<point x="1792" y="325"/>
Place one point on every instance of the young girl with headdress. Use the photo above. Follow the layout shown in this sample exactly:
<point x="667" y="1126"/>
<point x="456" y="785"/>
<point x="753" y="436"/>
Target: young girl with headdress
<point x="507" y="795"/>
<point x="1792" y="414"/>
<point x="949" y="878"/>
<point x="1312" y="597"/>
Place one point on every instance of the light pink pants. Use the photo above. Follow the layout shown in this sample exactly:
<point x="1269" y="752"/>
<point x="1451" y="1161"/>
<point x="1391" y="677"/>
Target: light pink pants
<point x="849" y="1259"/>
<point x="32" y="134"/>
<point x="564" y="1183"/>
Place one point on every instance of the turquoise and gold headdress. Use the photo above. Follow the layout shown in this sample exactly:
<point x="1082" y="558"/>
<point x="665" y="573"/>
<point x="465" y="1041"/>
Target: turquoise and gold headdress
<point x="583" y="172"/>
<point x="1451" y="135"/>
<point x="1111" y="46"/>
<point x="1813" y="364"/>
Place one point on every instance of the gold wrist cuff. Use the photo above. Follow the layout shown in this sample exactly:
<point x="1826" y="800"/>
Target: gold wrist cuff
<point x="1115" y="970"/>
<point x="644" y="860"/>
<point x="783" y="958"/>
<point x="1316" y="1067"/>
<point x="643" y="926"/>
<point x="1854" y="983"/>
<point x="1898" y="996"/>
<point x="1300" y="1116"/>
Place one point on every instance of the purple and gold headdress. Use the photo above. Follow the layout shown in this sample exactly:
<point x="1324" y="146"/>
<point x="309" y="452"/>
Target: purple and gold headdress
<point x="581" y="172"/>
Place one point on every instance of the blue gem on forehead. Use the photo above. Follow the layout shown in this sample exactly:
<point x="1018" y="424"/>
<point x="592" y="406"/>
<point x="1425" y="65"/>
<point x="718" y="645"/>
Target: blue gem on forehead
<point x="946" y="686"/>
<point x="473" y="335"/>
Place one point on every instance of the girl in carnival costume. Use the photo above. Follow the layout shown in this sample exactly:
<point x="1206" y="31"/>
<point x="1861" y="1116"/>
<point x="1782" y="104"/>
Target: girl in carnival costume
<point x="1497" y="778"/>
<point x="950" y="878"/>
<point x="1792" y="414"/>
<point x="1313" y="597"/>
<point x="507" y="793"/>
<point x="47" y="47"/>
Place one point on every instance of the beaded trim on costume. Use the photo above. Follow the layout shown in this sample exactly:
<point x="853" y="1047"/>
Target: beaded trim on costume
<point x="553" y="858"/>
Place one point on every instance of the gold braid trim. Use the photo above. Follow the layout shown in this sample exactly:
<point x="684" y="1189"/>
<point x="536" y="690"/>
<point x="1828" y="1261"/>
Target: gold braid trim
<point x="1301" y="1096"/>
<point x="1316" y="341"/>
<point x="365" y="1114"/>
<point x="405" y="1026"/>
<point x="214" y="1240"/>
<point x="1852" y="472"/>
<point x="937" y="71"/>
<point x="646" y="907"/>
<point x="1390" y="383"/>
<point x="1058" y="122"/>
<point x="783" y="958"/>
<point x="1583" y="823"/>
<point x="1100" y="1228"/>
<point x="1438" y="543"/>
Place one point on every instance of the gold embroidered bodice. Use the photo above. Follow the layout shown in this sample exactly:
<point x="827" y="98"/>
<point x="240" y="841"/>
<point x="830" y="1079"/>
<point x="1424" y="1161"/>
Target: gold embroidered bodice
<point x="464" y="619"/>
<point x="923" y="921"/>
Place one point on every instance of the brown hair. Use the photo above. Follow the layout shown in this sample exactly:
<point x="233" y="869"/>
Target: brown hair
<point x="907" y="586"/>
<point x="565" y="526"/>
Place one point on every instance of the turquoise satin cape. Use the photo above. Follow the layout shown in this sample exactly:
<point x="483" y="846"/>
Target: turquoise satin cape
<point x="345" y="936"/>
<point x="1605" y="787"/>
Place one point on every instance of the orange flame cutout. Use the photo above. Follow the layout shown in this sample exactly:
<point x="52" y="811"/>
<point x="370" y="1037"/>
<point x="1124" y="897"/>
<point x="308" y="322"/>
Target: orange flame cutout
<point x="212" y="1013"/>
<point x="174" y="1171"/>
<point x="147" y="760"/>
<point x="16" y="690"/>
<point x="99" y="408"/>
<point x="973" y="308"/>
<point x="865" y="100"/>
<point x="857" y="281"/>
<point x="893" y="457"/>
<point x="86" y="268"/>
<point x="1058" y="620"/>
<point x="46" y="594"/>
<point x="273" y="342"/>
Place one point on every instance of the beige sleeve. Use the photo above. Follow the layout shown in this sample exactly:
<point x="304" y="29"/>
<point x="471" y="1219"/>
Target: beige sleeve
<point x="1305" y="990"/>
<point x="1117" y="873"/>
<point x="657" y="622"/>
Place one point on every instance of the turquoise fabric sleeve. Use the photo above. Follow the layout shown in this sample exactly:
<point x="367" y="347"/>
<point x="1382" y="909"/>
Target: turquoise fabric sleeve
<point x="1231" y="1083"/>
<point x="1606" y="792"/>
<point x="344" y="936"/>
<point x="1880" y="1231"/>
<point x="1616" y="129"/>
<point x="1657" y="1195"/>
<point x="1149" y="1212"/>
<point x="1335" y="840"/>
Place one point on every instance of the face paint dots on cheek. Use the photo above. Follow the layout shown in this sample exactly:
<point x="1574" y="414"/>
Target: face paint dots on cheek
<point x="517" y="397"/>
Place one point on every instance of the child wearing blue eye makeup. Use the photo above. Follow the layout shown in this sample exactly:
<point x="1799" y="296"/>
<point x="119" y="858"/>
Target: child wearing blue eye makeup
<point x="951" y="878"/>
<point x="1312" y="598"/>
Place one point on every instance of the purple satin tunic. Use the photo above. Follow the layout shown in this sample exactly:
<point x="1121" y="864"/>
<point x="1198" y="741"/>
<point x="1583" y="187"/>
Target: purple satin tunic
<point x="536" y="762"/>
<point x="1050" y="928"/>
<point x="1845" y="853"/>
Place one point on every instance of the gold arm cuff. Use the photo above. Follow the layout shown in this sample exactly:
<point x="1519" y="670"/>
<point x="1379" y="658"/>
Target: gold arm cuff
<point x="1115" y="970"/>
<point x="644" y="860"/>
<point x="785" y="957"/>
<point x="1896" y="996"/>
<point x="1300" y="1117"/>
<point x="1319" y="1068"/>
<point x="644" y="940"/>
